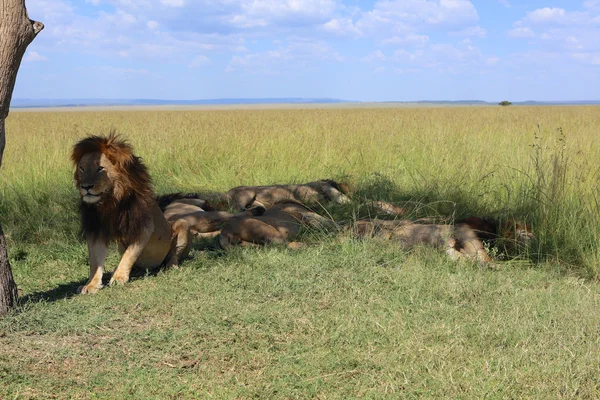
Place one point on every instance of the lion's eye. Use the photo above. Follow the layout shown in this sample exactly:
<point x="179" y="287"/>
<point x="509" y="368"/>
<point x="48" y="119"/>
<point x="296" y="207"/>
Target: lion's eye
<point x="100" y="169"/>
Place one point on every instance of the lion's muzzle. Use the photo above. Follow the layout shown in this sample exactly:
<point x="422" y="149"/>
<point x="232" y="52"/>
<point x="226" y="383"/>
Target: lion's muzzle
<point x="87" y="195"/>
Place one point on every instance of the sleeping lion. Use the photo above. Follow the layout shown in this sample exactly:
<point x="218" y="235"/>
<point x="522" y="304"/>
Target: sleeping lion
<point x="247" y="197"/>
<point x="458" y="241"/>
<point x="279" y="225"/>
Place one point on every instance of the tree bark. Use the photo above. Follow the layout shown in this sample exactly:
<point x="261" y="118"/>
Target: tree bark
<point x="17" y="31"/>
<point x="8" y="288"/>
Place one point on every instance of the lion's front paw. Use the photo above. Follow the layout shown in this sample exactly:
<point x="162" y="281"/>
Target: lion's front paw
<point x="118" y="280"/>
<point x="89" y="289"/>
<point x="295" y="245"/>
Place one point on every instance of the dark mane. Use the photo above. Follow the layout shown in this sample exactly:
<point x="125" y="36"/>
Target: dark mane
<point x="126" y="212"/>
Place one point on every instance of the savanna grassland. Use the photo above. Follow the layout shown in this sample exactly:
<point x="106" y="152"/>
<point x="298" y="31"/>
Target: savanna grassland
<point x="339" y="318"/>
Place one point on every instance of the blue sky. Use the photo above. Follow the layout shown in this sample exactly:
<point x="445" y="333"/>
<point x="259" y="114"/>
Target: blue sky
<point x="367" y="50"/>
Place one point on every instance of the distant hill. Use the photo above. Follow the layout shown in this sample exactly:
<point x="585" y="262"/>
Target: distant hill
<point x="514" y="103"/>
<point x="41" y="103"/>
<point x="33" y="103"/>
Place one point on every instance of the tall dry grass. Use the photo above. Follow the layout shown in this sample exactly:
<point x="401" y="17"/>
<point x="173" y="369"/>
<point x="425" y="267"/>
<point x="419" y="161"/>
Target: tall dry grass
<point x="535" y="163"/>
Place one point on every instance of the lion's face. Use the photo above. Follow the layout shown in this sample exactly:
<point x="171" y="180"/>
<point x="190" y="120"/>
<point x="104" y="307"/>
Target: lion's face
<point x="93" y="177"/>
<point x="518" y="232"/>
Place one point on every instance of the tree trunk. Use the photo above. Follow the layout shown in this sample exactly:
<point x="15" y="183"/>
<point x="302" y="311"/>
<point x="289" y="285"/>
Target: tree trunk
<point x="16" y="32"/>
<point x="8" y="288"/>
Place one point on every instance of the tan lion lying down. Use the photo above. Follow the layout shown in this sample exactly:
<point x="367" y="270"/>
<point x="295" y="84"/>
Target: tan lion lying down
<point x="279" y="224"/>
<point x="462" y="240"/>
<point x="190" y="216"/>
<point x="246" y="197"/>
<point x="458" y="241"/>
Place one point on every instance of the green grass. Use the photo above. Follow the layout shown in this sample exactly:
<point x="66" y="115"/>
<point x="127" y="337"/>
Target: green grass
<point x="339" y="318"/>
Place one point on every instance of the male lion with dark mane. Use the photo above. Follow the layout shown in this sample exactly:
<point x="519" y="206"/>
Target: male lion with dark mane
<point x="118" y="204"/>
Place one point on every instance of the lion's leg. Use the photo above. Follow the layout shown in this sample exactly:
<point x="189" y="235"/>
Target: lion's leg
<point x="388" y="208"/>
<point x="262" y="234"/>
<point x="336" y="196"/>
<point x="452" y="251"/>
<point x="317" y="221"/>
<point x="207" y="235"/>
<point x="130" y="256"/>
<point x="183" y="241"/>
<point x="230" y="240"/>
<point x="97" y="251"/>
<point x="474" y="250"/>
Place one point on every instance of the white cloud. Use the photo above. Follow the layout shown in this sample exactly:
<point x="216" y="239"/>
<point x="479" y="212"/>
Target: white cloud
<point x="173" y="3"/>
<point x="547" y="15"/>
<point x="403" y="15"/>
<point x="442" y="58"/>
<point x="593" y="5"/>
<point x="573" y="34"/>
<point x="376" y="55"/>
<point x="342" y="27"/>
<point x="492" y="60"/>
<point x="120" y="19"/>
<point x="555" y="17"/>
<point x="472" y="31"/>
<point x="410" y="39"/>
<point x="587" y="58"/>
<point x="121" y="73"/>
<point x="521" y="33"/>
<point x="200" y="61"/>
<point x="505" y="3"/>
<point x="299" y="54"/>
<point x="292" y="11"/>
<point x="51" y="12"/>
<point x="403" y="71"/>
<point x="33" y="56"/>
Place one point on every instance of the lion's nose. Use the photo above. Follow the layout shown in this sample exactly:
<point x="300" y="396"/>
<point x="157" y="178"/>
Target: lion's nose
<point x="86" y="187"/>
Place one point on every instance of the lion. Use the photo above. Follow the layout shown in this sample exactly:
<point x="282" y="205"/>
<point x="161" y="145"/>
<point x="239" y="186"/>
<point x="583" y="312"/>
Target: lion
<point x="118" y="204"/>
<point x="278" y="225"/>
<point x="459" y="241"/>
<point x="507" y="237"/>
<point x="190" y="216"/>
<point x="247" y="197"/>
